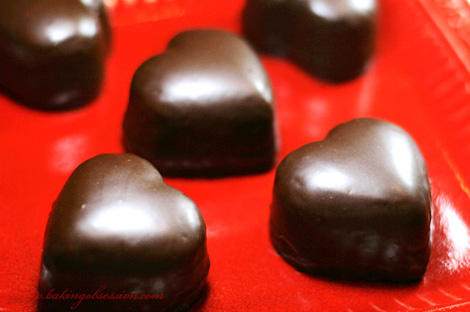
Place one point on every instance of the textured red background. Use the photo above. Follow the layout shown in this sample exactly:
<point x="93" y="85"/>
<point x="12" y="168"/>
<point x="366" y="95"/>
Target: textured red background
<point x="418" y="80"/>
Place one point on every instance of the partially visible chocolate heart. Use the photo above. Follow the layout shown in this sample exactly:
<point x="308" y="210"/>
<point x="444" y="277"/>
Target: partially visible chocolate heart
<point x="52" y="52"/>
<point x="117" y="224"/>
<point x="203" y="107"/>
<point x="331" y="39"/>
<point x="355" y="205"/>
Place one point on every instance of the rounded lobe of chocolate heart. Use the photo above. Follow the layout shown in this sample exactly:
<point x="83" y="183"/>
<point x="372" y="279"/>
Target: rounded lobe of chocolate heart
<point x="203" y="107"/>
<point x="355" y="205"/>
<point x="98" y="7"/>
<point x="333" y="40"/>
<point x="117" y="224"/>
<point x="52" y="52"/>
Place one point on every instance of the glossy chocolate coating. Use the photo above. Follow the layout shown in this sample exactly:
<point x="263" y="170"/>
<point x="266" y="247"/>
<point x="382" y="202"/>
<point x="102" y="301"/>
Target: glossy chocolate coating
<point x="356" y="205"/>
<point x="331" y="39"/>
<point x="98" y="7"/>
<point x="116" y="223"/>
<point x="52" y="52"/>
<point x="204" y="107"/>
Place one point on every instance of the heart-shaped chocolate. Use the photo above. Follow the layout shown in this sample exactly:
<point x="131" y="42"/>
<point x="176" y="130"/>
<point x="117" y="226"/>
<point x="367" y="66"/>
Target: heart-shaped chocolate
<point x="355" y="205"/>
<point x="203" y="107"/>
<point x="331" y="39"/>
<point x="52" y="52"/>
<point x="117" y="225"/>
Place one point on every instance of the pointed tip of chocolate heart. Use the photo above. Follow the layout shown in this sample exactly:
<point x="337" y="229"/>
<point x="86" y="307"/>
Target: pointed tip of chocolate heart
<point x="355" y="205"/>
<point x="116" y="223"/>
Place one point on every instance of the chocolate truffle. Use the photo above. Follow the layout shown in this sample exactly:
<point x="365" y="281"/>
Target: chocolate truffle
<point x="204" y="107"/>
<point x="331" y="39"/>
<point x="117" y="224"/>
<point x="356" y="205"/>
<point x="52" y="52"/>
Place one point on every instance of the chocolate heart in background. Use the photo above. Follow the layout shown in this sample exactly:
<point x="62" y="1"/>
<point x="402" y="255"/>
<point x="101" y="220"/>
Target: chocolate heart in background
<point x="117" y="224"/>
<point x="203" y="107"/>
<point x="331" y="39"/>
<point x="52" y="52"/>
<point x="355" y="205"/>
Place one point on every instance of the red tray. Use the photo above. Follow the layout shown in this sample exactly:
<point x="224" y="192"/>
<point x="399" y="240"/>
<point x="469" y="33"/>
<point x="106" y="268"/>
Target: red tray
<point x="419" y="80"/>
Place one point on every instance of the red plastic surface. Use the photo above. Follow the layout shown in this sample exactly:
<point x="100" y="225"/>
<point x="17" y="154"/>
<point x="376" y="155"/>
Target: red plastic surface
<point x="419" y="79"/>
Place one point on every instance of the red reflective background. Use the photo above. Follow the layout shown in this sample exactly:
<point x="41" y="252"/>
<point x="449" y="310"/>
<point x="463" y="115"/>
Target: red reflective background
<point x="419" y="79"/>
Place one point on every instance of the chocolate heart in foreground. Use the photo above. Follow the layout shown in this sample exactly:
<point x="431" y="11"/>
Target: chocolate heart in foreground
<point x="117" y="225"/>
<point x="52" y="52"/>
<point x="203" y="107"/>
<point x="331" y="39"/>
<point x="355" y="205"/>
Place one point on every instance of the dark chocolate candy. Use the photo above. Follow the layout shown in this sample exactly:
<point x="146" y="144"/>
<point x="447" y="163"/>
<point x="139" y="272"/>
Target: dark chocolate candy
<point x="117" y="224"/>
<point x="203" y="107"/>
<point x="52" y="52"/>
<point x="356" y="205"/>
<point x="331" y="39"/>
